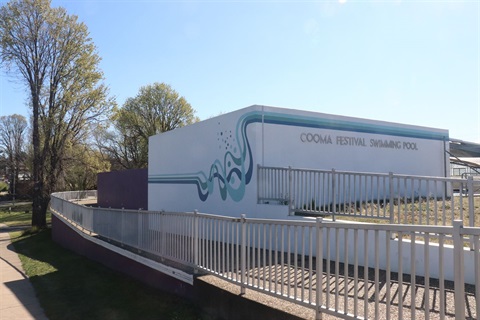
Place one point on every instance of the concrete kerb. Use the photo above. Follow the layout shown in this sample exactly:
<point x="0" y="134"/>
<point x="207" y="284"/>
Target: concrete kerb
<point x="17" y="296"/>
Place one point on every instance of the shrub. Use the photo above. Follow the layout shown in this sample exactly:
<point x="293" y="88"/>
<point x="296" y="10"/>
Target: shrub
<point x="3" y="186"/>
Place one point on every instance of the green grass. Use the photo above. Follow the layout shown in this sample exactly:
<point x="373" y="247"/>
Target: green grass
<point x="19" y="214"/>
<point x="3" y="186"/>
<point x="72" y="287"/>
<point x="420" y="212"/>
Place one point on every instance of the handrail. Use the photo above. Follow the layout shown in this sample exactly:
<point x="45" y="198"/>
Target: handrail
<point x="398" y="198"/>
<point x="305" y="262"/>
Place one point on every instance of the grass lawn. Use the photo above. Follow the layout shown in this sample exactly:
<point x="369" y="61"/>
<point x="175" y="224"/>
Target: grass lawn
<point x="421" y="212"/>
<point x="19" y="214"/>
<point x="70" y="286"/>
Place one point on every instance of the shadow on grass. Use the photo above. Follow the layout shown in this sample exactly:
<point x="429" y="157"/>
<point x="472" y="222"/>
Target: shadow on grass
<point x="70" y="286"/>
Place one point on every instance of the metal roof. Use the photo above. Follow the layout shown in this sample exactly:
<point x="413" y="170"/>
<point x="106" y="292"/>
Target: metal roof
<point x="464" y="149"/>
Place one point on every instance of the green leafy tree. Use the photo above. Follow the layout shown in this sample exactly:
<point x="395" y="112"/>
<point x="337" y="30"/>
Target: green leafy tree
<point x="52" y="54"/>
<point x="157" y="108"/>
<point x="83" y="165"/>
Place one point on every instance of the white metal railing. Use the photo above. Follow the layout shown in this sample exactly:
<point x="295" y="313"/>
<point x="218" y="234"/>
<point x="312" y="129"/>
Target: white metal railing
<point x="397" y="198"/>
<point x="349" y="270"/>
<point x="76" y="195"/>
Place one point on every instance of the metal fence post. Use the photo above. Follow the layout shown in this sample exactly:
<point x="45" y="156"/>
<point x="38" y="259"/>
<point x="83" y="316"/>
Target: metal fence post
<point x="122" y="227"/>
<point x="319" y="268"/>
<point x="109" y="226"/>
<point x="163" y="235"/>
<point x="459" y="270"/>
<point x="90" y="211"/>
<point x="291" y="206"/>
<point x="391" y="200"/>
<point x="140" y="227"/>
<point x="334" y="195"/>
<point x="243" y="254"/>
<point x="471" y="207"/>
<point x="195" y="240"/>
<point x="259" y="186"/>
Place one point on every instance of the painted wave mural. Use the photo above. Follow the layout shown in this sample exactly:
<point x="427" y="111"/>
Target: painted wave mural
<point x="231" y="174"/>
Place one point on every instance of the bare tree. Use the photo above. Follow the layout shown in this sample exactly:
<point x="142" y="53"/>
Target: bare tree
<point x="12" y="142"/>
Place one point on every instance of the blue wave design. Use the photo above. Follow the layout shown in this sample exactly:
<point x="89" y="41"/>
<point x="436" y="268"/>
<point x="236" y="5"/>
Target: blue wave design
<point x="231" y="182"/>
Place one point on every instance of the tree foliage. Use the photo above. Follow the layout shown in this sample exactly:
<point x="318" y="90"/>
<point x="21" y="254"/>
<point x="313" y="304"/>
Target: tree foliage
<point x="52" y="54"/>
<point x="83" y="165"/>
<point x="155" y="109"/>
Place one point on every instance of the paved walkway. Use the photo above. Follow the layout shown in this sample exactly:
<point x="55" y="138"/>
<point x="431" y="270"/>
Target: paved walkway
<point x="17" y="297"/>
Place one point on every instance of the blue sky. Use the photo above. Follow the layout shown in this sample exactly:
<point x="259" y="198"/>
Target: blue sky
<point x="414" y="62"/>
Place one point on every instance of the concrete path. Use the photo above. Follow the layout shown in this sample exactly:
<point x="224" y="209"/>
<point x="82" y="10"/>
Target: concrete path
<point x="17" y="297"/>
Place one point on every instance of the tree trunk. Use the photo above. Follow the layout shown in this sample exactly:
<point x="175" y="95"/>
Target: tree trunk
<point x="39" y="208"/>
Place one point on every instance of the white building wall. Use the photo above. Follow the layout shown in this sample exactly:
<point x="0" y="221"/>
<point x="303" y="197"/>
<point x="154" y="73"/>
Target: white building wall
<point x="205" y="166"/>
<point x="211" y="165"/>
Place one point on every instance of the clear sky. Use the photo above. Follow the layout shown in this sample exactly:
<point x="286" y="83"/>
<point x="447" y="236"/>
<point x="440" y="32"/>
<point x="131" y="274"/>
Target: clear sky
<point x="413" y="62"/>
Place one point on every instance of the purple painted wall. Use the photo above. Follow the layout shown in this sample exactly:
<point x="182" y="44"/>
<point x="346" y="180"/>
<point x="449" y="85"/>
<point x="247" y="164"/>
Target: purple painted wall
<point x="123" y="189"/>
<point x="68" y="238"/>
